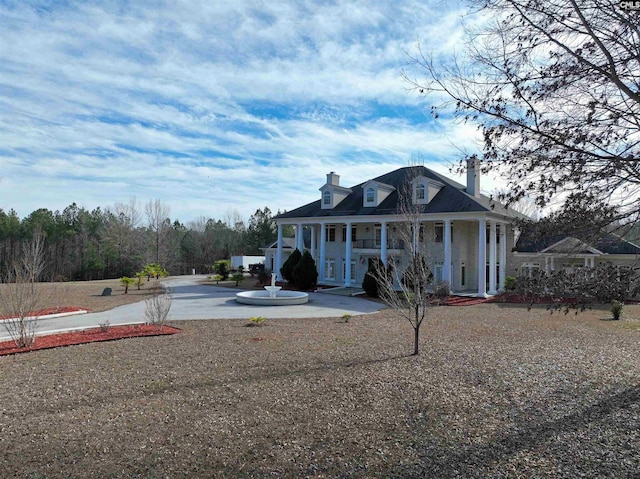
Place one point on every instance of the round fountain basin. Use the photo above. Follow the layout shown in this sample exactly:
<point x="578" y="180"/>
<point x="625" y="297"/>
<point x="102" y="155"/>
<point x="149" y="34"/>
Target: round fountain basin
<point x="264" y="298"/>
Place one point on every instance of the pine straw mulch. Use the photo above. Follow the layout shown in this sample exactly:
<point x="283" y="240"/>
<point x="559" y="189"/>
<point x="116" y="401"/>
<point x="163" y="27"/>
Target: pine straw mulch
<point x="497" y="391"/>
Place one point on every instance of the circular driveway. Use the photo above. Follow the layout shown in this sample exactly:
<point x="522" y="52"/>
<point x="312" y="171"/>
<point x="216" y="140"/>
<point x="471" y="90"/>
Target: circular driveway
<point x="192" y="300"/>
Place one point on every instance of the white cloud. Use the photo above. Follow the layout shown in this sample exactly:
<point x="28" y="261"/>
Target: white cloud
<point x="211" y="106"/>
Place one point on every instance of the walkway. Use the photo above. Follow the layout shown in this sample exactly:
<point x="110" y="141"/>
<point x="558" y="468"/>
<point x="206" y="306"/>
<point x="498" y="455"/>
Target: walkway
<point x="193" y="301"/>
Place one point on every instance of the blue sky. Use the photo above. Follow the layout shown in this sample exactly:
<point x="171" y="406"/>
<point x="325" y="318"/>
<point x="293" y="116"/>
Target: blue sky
<point x="214" y="106"/>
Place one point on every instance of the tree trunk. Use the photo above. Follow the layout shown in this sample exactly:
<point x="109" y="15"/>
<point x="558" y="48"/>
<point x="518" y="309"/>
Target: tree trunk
<point x="416" y="335"/>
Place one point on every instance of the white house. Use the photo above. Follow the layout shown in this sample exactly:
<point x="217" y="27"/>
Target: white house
<point x="468" y="236"/>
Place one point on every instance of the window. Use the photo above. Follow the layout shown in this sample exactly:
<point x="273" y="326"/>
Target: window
<point x="378" y="236"/>
<point x="353" y="270"/>
<point x="439" y="232"/>
<point x="439" y="236"/>
<point x="344" y="234"/>
<point x="421" y="234"/>
<point x="420" y="192"/>
<point x="370" y="195"/>
<point x="330" y="268"/>
<point x="439" y="266"/>
<point x="331" y="233"/>
<point x="462" y="274"/>
<point x="527" y="269"/>
<point x="326" y="198"/>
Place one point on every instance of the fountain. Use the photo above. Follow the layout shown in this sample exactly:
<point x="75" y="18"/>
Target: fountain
<point x="272" y="296"/>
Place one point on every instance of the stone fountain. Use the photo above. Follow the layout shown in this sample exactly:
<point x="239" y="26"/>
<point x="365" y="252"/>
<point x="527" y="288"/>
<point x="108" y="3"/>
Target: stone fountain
<point x="272" y="296"/>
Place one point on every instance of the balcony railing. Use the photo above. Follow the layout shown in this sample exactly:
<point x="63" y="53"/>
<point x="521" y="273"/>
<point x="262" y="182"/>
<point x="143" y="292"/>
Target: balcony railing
<point x="375" y="244"/>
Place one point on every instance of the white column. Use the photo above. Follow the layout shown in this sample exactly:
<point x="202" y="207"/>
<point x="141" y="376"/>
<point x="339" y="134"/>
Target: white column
<point x="383" y="242"/>
<point x="299" y="238"/>
<point x="546" y="264"/>
<point x="323" y="244"/>
<point x="279" y="254"/>
<point x="482" y="258"/>
<point x="446" y="267"/>
<point x="347" y="259"/>
<point x="313" y="241"/>
<point x="492" y="257"/>
<point x="503" y="256"/>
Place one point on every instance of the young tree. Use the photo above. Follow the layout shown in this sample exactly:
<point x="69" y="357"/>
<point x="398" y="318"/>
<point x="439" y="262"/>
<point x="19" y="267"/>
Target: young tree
<point x="157" y="307"/>
<point x="20" y="296"/>
<point x="554" y="87"/>
<point x="408" y="290"/>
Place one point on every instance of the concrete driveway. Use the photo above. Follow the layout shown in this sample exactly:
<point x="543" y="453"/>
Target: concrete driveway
<point x="191" y="300"/>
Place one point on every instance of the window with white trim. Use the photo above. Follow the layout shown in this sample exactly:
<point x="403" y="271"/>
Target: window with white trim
<point x="331" y="233"/>
<point x="330" y="268"/>
<point x="353" y="269"/>
<point x="326" y="198"/>
<point x="370" y="196"/>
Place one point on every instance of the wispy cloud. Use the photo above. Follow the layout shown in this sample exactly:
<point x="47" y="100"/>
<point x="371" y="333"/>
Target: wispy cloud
<point x="212" y="106"/>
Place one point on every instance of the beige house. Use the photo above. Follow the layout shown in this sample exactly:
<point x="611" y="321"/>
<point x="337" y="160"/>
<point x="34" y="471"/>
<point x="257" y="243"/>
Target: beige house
<point x="469" y="238"/>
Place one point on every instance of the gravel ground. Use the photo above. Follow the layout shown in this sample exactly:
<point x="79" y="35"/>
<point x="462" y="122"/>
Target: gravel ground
<point x="497" y="391"/>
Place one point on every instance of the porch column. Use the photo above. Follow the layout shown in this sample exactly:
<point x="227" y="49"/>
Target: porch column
<point x="503" y="256"/>
<point x="383" y="242"/>
<point x="299" y="238"/>
<point x="313" y="241"/>
<point x="323" y="243"/>
<point x="482" y="258"/>
<point x="446" y="267"/>
<point x="546" y="264"/>
<point x="492" y="257"/>
<point x="279" y="254"/>
<point x="347" y="259"/>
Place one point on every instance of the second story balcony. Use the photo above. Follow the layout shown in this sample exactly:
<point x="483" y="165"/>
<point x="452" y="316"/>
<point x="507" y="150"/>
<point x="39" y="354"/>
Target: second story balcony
<point x="372" y="244"/>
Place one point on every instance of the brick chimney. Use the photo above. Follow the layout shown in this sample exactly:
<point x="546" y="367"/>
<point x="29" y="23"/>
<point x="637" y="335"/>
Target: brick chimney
<point x="473" y="177"/>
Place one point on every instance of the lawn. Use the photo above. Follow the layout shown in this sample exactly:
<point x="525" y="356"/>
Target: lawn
<point x="497" y="391"/>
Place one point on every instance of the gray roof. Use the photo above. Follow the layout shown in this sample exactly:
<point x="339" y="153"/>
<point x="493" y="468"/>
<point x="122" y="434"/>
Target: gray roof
<point x="609" y="243"/>
<point x="452" y="198"/>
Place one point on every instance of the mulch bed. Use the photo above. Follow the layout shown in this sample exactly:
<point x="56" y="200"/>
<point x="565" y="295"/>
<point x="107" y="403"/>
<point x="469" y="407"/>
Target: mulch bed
<point x="50" y="311"/>
<point x="87" y="336"/>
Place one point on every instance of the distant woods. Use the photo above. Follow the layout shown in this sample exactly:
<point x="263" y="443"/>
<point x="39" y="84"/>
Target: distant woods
<point x="118" y="241"/>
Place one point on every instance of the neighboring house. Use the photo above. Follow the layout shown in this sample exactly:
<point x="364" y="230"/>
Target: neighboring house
<point x="467" y="236"/>
<point x="555" y="252"/>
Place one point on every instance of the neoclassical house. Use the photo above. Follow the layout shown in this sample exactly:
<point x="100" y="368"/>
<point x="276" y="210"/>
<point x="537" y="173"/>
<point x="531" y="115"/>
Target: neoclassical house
<point x="468" y="237"/>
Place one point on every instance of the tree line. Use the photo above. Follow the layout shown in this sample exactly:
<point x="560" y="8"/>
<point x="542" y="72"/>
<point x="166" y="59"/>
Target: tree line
<point x="112" y="242"/>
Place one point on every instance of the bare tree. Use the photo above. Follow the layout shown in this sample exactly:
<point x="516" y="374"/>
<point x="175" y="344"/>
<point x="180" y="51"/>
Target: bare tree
<point x="157" y="213"/>
<point x="157" y="307"/>
<point x="20" y="297"/>
<point x="407" y="289"/>
<point x="554" y="87"/>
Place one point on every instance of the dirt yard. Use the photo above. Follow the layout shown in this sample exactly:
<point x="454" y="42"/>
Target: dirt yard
<point x="497" y="391"/>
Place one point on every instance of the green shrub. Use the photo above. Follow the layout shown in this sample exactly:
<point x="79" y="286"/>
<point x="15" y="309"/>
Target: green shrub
<point x="287" y="268"/>
<point x="305" y="274"/>
<point x="222" y="268"/>
<point x="370" y="280"/>
<point x="616" y="309"/>
<point x="257" y="321"/>
<point x="237" y="277"/>
<point x="442" y="291"/>
<point x="510" y="283"/>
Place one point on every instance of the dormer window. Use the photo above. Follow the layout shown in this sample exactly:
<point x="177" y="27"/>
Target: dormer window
<point x="374" y="193"/>
<point x="371" y="195"/>
<point x="425" y="189"/>
<point x="326" y="198"/>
